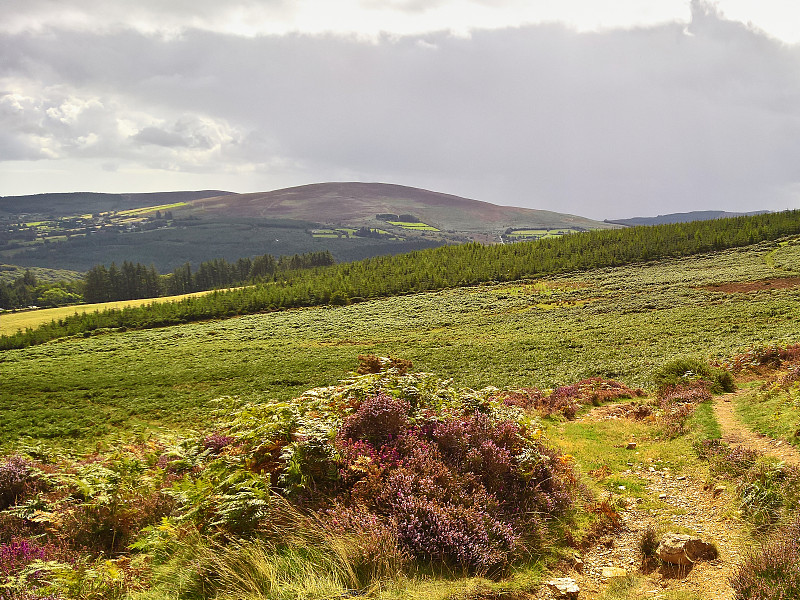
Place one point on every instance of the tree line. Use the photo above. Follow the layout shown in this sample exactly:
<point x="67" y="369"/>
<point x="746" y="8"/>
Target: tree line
<point x="26" y="291"/>
<point x="131" y="281"/>
<point x="433" y="269"/>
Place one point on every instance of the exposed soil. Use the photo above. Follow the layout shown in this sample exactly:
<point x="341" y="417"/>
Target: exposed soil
<point x="781" y="283"/>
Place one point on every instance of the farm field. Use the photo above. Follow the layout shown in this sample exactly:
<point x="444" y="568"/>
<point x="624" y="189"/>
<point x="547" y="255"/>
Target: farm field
<point x="539" y="234"/>
<point x="13" y="321"/>
<point x="413" y="226"/>
<point x="618" y="323"/>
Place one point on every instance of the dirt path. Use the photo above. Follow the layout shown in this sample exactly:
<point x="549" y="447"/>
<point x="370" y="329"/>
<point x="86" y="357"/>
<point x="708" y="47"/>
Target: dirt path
<point x="681" y="503"/>
<point x="735" y="433"/>
<point x="684" y="504"/>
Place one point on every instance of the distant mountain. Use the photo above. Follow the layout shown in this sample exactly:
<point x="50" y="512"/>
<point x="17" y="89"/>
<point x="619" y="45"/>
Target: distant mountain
<point x="696" y="215"/>
<point x="358" y="204"/>
<point x="75" y="203"/>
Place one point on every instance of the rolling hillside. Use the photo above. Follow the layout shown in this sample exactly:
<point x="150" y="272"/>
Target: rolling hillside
<point x="357" y="204"/>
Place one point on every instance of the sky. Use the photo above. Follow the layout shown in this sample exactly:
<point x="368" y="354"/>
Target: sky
<point x="602" y="108"/>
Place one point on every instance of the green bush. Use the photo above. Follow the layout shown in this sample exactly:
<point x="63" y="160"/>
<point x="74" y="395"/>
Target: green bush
<point x="687" y="370"/>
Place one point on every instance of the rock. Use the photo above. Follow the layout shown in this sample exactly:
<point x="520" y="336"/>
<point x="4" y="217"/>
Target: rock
<point x="564" y="587"/>
<point x="631" y="446"/>
<point x="577" y="563"/>
<point x="682" y="549"/>
<point x="662" y="496"/>
<point x="610" y="572"/>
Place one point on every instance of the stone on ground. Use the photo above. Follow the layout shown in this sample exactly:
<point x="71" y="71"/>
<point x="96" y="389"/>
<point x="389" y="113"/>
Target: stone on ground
<point x="682" y="549"/>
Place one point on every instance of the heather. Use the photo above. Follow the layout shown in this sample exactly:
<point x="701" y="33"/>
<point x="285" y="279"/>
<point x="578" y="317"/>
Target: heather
<point x="349" y="485"/>
<point x="772" y="571"/>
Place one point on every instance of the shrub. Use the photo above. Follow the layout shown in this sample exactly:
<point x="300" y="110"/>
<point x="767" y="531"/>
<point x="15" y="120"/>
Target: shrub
<point x="773" y="571"/>
<point x="770" y="357"/>
<point x="672" y="419"/>
<point x="16" y="480"/>
<point x="647" y="546"/>
<point x="566" y="400"/>
<point x="217" y="442"/>
<point x="20" y="552"/>
<point x="691" y="393"/>
<point x="369" y="363"/>
<point x="378" y="419"/>
<point x="687" y="370"/>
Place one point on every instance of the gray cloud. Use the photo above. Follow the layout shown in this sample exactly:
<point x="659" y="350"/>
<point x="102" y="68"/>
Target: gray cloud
<point x="607" y="124"/>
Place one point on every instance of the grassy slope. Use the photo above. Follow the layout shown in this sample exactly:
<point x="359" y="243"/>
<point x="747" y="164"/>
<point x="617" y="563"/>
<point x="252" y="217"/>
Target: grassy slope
<point x="618" y="323"/>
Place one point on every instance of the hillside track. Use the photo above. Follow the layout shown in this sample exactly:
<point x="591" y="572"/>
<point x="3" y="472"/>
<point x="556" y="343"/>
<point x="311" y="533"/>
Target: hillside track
<point x="685" y="502"/>
<point x="735" y="433"/>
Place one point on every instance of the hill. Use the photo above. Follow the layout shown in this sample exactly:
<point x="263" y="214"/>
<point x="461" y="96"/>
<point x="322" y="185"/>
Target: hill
<point x="439" y="268"/>
<point x="358" y="204"/>
<point x="351" y="220"/>
<point x="685" y="217"/>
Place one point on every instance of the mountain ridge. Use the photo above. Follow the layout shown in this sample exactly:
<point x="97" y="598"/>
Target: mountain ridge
<point x="683" y="217"/>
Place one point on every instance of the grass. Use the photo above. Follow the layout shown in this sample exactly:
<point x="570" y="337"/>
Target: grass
<point x="413" y="226"/>
<point x="10" y="322"/>
<point x="773" y="412"/>
<point x="622" y="323"/>
<point x="638" y="318"/>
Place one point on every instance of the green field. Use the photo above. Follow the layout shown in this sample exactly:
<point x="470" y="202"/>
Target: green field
<point x="619" y="323"/>
<point x="13" y="321"/>
<point x="145" y="210"/>
<point x="519" y="234"/>
<point x="413" y="226"/>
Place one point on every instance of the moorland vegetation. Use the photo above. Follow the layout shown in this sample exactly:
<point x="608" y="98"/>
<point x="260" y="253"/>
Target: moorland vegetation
<point x="439" y="268"/>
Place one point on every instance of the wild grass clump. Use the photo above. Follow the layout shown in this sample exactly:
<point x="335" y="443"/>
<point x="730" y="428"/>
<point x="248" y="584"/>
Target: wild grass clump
<point x="647" y="546"/>
<point x="772" y="572"/>
<point x="687" y="370"/>
<point x="767" y="489"/>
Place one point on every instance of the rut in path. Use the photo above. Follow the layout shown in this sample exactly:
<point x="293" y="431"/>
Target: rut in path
<point x="735" y="433"/>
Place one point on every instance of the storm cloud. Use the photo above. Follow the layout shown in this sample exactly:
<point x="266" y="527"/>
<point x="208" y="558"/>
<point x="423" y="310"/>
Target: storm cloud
<point x="701" y="114"/>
